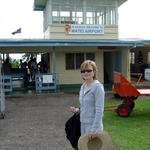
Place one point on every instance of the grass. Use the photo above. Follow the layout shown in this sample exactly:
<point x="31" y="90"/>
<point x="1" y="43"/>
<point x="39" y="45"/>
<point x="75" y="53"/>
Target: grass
<point x="133" y="132"/>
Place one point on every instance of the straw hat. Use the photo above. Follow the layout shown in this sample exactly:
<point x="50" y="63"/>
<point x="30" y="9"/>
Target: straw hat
<point x="102" y="141"/>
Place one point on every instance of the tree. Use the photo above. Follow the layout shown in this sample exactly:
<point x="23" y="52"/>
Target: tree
<point x="26" y="57"/>
<point x="14" y="63"/>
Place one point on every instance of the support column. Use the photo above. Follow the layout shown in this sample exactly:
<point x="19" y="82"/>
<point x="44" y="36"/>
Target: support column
<point x="49" y="11"/>
<point x="108" y="21"/>
<point x="49" y="70"/>
<point x="118" y="61"/>
<point x="116" y="13"/>
<point x="54" y="67"/>
<point x="125" y="62"/>
<point x="84" y="11"/>
<point x="54" y="60"/>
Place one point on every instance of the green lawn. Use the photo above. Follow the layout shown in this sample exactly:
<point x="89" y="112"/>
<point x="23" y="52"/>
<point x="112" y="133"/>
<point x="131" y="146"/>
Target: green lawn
<point x="133" y="132"/>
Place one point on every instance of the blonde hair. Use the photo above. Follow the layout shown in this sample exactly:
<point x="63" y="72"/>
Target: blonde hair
<point x="86" y="65"/>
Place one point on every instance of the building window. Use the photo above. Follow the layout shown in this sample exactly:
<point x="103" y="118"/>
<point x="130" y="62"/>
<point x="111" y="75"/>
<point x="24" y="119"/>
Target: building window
<point x="77" y="17"/>
<point x="77" y="12"/>
<point x="90" y="56"/>
<point x="70" y="61"/>
<point x="79" y="59"/>
<point x="74" y="60"/>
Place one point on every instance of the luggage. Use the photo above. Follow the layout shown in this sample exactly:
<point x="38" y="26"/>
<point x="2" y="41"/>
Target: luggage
<point x="72" y="129"/>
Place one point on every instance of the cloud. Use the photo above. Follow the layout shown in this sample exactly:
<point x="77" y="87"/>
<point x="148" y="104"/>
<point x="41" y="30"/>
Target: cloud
<point x="19" y="13"/>
<point x="133" y="19"/>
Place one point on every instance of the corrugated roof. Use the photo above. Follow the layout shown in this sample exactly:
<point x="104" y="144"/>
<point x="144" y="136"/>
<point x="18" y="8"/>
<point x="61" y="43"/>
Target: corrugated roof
<point x="39" y="5"/>
<point x="49" y="43"/>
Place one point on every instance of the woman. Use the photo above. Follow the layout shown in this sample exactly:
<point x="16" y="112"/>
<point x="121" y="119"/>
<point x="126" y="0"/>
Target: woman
<point x="91" y="100"/>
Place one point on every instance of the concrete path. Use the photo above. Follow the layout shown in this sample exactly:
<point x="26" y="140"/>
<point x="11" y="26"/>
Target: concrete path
<point x="36" y="122"/>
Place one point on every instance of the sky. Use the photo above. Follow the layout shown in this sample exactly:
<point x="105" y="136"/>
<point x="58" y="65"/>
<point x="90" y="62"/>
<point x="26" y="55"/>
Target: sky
<point x="134" y="22"/>
<point x="16" y="14"/>
<point x="133" y="16"/>
<point x="134" y="19"/>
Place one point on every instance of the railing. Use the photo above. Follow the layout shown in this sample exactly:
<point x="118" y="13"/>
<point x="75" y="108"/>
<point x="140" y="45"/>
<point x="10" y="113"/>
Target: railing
<point x="7" y="82"/>
<point x="139" y="75"/>
<point x="45" y="81"/>
<point x="42" y="81"/>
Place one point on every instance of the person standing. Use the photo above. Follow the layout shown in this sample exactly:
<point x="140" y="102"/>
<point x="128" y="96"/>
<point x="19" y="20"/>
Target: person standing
<point x="43" y="66"/>
<point x="33" y="69"/>
<point x="91" y="100"/>
<point x="6" y="67"/>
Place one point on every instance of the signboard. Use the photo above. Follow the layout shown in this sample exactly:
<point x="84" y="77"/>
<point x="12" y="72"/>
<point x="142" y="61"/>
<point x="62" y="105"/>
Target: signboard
<point x="47" y="79"/>
<point x="147" y="74"/>
<point x="84" y="29"/>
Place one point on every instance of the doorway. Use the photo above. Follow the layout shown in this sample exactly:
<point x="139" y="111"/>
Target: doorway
<point x="112" y="62"/>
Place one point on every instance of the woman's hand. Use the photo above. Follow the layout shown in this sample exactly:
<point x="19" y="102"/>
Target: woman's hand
<point x="73" y="109"/>
<point x="92" y="135"/>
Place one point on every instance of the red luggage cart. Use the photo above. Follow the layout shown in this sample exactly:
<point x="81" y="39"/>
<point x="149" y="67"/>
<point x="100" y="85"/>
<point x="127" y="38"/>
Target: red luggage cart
<point x="128" y="92"/>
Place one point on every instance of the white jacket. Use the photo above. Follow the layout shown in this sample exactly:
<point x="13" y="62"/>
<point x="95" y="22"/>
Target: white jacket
<point x="92" y="105"/>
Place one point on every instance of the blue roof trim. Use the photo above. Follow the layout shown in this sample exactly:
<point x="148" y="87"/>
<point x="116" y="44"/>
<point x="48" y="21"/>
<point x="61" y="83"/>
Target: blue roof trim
<point x="44" y="42"/>
<point x="39" y="8"/>
<point x="146" y="42"/>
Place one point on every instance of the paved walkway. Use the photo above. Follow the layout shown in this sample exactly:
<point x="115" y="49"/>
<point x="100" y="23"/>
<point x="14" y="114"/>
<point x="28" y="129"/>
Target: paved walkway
<point x="36" y="122"/>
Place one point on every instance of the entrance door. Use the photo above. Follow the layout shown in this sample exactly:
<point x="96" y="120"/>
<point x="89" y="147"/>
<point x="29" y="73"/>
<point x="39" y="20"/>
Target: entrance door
<point x="112" y="62"/>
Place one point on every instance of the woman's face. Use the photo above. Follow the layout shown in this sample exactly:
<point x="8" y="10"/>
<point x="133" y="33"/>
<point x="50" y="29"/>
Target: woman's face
<point x="88" y="73"/>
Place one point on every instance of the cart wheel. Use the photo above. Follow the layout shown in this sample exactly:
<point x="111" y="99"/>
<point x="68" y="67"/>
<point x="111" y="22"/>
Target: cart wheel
<point x="132" y="105"/>
<point x="123" y="110"/>
<point x="2" y="115"/>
